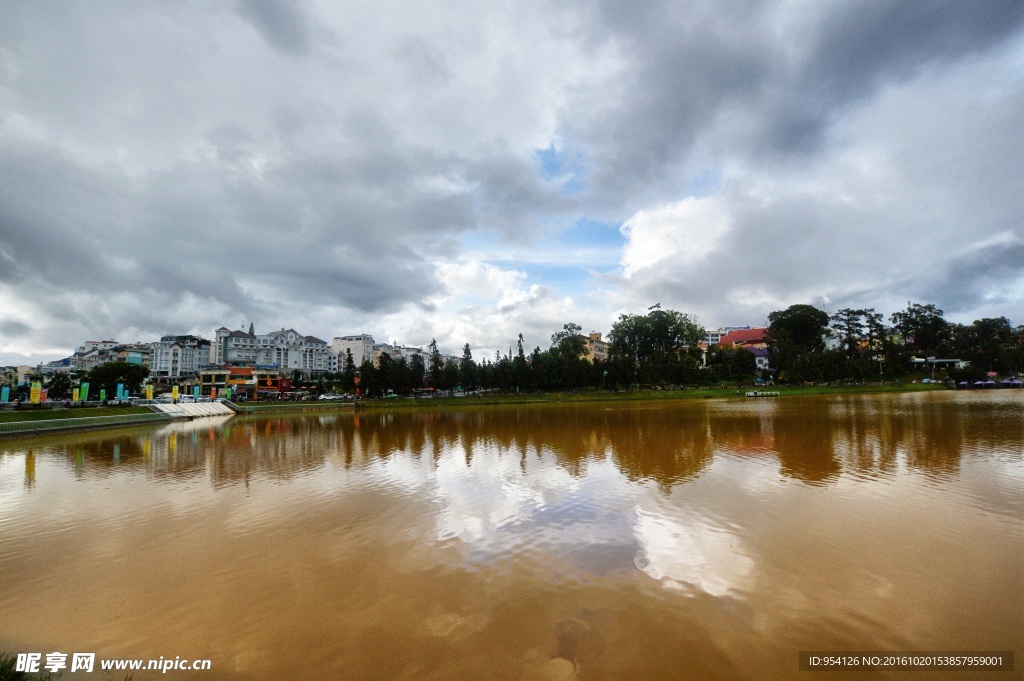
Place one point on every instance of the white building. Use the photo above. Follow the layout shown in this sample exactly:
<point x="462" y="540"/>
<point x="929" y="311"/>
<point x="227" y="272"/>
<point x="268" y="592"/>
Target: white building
<point x="361" y="347"/>
<point x="178" y="356"/>
<point x="91" y="354"/>
<point x="286" y="350"/>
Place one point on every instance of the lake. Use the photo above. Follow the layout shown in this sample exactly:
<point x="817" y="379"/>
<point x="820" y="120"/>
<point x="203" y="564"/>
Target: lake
<point x="698" y="539"/>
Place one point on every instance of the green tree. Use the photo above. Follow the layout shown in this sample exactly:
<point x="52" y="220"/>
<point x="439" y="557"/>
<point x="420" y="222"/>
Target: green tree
<point x="923" y="327"/>
<point x="436" y="362"/>
<point x="520" y="368"/>
<point x="802" y="326"/>
<point x="654" y="343"/>
<point x="348" y="371"/>
<point x="468" y="369"/>
<point x="59" y="387"/>
<point x="107" y="376"/>
<point x="849" y="325"/>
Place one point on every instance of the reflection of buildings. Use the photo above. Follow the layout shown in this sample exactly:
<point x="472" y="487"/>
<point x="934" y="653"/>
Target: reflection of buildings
<point x="814" y="440"/>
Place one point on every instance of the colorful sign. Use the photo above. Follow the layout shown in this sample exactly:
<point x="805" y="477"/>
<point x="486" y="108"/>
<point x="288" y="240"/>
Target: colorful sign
<point x="120" y="391"/>
<point x="74" y="394"/>
<point x="227" y="393"/>
<point x="83" y="392"/>
<point x="195" y="392"/>
<point x="174" y="393"/>
<point x="33" y="396"/>
<point x="149" y="392"/>
<point x="5" y="393"/>
<point x="103" y="394"/>
<point x="42" y="395"/>
<point x="213" y="393"/>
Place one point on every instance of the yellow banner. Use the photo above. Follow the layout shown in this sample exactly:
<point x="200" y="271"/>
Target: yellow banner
<point x="149" y="392"/>
<point x="174" y="393"/>
<point x="33" y="395"/>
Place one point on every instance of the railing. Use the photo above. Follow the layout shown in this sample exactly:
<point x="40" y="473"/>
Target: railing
<point x="84" y="422"/>
<point x="764" y="393"/>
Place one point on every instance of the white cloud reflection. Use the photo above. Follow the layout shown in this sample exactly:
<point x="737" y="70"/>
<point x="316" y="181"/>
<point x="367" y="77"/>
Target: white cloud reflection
<point x="690" y="553"/>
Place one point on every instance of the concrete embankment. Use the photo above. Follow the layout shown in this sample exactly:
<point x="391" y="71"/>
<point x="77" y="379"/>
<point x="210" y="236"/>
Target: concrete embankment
<point x="160" y="413"/>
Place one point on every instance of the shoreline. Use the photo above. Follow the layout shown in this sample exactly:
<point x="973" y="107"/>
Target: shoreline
<point x="85" y="418"/>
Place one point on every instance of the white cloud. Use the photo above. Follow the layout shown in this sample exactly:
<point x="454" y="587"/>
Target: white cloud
<point x="681" y="233"/>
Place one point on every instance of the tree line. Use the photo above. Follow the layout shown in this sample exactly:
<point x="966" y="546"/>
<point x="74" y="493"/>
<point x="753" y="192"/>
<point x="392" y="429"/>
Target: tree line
<point x="663" y="347"/>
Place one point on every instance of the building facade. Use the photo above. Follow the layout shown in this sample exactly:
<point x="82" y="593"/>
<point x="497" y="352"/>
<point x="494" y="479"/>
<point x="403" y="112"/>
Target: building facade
<point x="177" y="357"/>
<point x="361" y="347"/>
<point x="286" y="350"/>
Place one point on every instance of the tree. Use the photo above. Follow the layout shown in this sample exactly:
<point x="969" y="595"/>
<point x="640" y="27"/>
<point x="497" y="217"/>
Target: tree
<point x="568" y="341"/>
<point x="653" y="343"/>
<point x="520" y="369"/>
<point x="923" y="327"/>
<point x="59" y="387"/>
<point x="348" y="371"/>
<point x="799" y="325"/>
<point x="107" y="376"/>
<point x="436" y="364"/>
<point x="468" y="369"/>
<point x="849" y="324"/>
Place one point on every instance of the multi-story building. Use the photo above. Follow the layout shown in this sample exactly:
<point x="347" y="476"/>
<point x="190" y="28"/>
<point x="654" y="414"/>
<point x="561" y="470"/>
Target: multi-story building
<point x="361" y="347"/>
<point x="91" y="354"/>
<point x="176" y="357"/>
<point x="57" y="366"/>
<point x="15" y="376"/>
<point x="137" y="353"/>
<point x="597" y="349"/>
<point x="286" y="350"/>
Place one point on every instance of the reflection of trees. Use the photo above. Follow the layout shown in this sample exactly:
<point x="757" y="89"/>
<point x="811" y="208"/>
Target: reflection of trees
<point x="804" y="441"/>
<point x="815" y="439"/>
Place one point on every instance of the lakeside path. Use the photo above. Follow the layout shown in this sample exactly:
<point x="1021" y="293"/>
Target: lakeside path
<point x="79" y="415"/>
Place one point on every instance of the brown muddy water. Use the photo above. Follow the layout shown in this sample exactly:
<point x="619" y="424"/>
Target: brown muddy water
<point x="686" y="540"/>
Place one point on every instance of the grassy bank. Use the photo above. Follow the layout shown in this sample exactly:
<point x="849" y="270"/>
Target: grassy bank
<point x="29" y="414"/>
<point x="637" y="395"/>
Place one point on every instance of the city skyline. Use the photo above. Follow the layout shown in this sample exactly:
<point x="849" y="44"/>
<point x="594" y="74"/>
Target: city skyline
<point x="469" y="173"/>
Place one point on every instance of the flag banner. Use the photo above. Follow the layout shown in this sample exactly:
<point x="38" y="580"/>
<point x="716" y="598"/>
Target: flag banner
<point x="83" y="392"/>
<point x="120" y="391"/>
<point x="33" y="396"/>
<point x="149" y="392"/>
<point x="195" y="392"/>
<point x="174" y="393"/>
<point x="42" y="395"/>
<point x="103" y="394"/>
<point x="5" y="393"/>
<point x="74" y="394"/>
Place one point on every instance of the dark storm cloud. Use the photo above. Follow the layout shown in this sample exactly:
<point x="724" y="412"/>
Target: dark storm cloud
<point x="692" y="69"/>
<point x="983" y="274"/>
<point x="859" y="47"/>
<point x="14" y="327"/>
<point x="170" y="167"/>
<point x="282" y="23"/>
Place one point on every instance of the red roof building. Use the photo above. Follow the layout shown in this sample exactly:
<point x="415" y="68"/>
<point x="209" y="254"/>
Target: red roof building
<point x="745" y="338"/>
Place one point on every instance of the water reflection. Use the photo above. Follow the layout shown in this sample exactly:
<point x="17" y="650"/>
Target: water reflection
<point x="814" y="441"/>
<point x="609" y="542"/>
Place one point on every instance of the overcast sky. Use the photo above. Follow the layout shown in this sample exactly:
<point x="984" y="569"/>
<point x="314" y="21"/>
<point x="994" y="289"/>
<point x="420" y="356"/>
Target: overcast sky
<point x="469" y="171"/>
